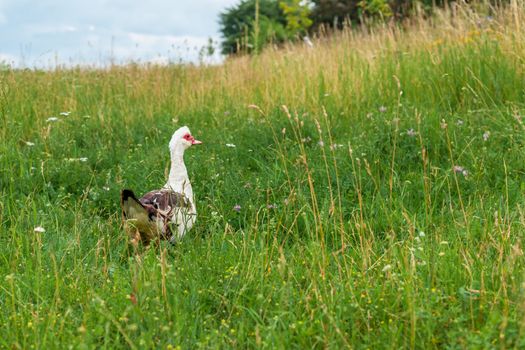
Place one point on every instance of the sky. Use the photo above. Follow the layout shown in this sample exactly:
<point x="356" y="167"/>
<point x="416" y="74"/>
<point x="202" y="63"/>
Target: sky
<point x="47" y="33"/>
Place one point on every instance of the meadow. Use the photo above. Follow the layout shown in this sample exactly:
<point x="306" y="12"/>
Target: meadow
<point x="371" y="195"/>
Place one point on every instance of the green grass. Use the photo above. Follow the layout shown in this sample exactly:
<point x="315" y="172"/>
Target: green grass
<point x="376" y="243"/>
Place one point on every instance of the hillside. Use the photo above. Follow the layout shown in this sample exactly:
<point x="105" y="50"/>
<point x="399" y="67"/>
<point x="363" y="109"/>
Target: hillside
<point x="380" y="177"/>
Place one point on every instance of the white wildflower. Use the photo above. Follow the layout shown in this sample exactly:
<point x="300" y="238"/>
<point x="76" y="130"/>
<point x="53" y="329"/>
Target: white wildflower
<point x="83" y="159"/>
<point x="459" y="122"/>
<point x="441" y="253"/>
<point x="486" y="135"/>
<point x="443" y="124"/>
<point x="382" y="109"/>
<point x="231" y="145"/>
<point x="65" y="114"/>
<point x="411" y="132"/>
<point x="386" y="268"/>
<point x="335" y="146"/>
<point x="30" y="144"/>
<point x="421" y="234"/>
<point x="320" y="143"/>
<point x="39" y="229"/>
<point x="52" y="119"/>
<point x="307" y="41"/>
<point x="105" y="188"/>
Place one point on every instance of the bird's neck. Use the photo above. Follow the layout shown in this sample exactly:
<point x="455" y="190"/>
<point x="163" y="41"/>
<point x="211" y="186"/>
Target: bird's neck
<point x="178" y="179"/>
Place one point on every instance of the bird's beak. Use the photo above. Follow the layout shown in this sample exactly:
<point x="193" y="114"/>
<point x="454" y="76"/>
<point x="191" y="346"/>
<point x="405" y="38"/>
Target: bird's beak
<point x="196" y="142"/>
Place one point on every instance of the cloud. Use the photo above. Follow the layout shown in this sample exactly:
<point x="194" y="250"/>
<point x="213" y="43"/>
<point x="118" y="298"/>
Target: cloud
<point x="51" y="29"/>
<point x="9" y="59"/>
<point x="90" y="32"/>
<point x="150" y="40"/>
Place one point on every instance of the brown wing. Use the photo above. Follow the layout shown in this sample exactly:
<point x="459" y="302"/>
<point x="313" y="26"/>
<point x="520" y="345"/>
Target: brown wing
<point x="165" y="200"/>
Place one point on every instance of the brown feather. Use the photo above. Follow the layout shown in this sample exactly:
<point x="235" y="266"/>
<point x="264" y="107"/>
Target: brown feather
<point x="153" y="206"/>
<point x="165" y="200"/>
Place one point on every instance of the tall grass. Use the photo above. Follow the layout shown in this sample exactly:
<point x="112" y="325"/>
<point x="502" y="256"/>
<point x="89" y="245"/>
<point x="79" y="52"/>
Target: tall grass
<point x="380" y="177"/>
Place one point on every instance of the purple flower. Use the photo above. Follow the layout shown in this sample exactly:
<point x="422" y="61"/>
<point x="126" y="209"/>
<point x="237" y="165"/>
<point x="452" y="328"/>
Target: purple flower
<point x="460" y="170"/>
<point x="237" y="208"/>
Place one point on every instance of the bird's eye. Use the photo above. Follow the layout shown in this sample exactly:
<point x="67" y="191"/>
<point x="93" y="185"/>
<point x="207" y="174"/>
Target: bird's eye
<point x="187" y="136"/>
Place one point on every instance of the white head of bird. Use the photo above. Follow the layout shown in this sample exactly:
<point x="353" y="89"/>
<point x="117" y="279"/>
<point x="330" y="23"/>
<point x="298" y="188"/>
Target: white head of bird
<point x="181" y="140"/>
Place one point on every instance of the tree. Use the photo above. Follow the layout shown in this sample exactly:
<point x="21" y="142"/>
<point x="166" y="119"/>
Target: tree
<point x="250" y="25"/>
<point x="375" y="8"/>
<point x="297" y="14"/>
<point x="334" y="13"/>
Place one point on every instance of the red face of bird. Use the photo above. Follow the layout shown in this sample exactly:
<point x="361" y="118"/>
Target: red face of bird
<point x="189" y="138"/>
<point x="182" y="139"/>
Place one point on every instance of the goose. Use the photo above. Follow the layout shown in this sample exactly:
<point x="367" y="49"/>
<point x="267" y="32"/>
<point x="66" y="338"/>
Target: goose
<point x="167" y="213"/>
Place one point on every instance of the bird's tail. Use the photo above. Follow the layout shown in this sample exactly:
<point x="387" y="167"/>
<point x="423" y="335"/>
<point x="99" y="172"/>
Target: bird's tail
<point x="131" y="207"/>
<point x="136" y="216"/>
